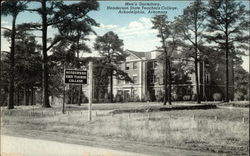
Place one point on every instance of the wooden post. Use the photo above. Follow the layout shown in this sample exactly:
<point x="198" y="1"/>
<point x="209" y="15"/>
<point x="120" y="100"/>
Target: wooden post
<point x="63" y="109"/>
<point x="90" y="88"/>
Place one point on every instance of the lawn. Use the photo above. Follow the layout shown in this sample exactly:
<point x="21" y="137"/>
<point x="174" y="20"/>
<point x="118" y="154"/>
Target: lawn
<point x="221" y="130"/>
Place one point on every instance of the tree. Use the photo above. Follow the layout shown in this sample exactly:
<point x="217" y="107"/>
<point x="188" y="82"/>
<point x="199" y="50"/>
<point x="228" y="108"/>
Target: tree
<point x="27" y="62"/>
<point x="241" y="83"/>
<point x="228" y="26"/>
<point x="77" y="32"/>
<point x="168" y="33"/>
<point x="109" y="46"/>
<point x="63" y="57"/>
<point x="13" y="8"/>
<point x="54" y="13"/>
<point x="192" y="25"/>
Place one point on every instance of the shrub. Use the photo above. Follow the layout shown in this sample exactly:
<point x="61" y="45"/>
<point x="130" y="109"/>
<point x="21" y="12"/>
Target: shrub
<point x="136" y="98"/>
<point x="85" y="99"/>
<point x="175" y="97"/>
<point x="194" y="97"/>
<point x="106" y="98"/>
<point x="118" y="98"/>
<point x="187" y="97"/>
<point x="159" y="96"/>
<point x="217" y="96"/>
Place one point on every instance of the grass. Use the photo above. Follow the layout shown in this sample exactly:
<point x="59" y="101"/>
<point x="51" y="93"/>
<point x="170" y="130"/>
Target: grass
<point x="217" y="130"/>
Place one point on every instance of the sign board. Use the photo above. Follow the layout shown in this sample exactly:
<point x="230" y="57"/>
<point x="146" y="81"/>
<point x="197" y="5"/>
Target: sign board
<point x="72" y="76"/>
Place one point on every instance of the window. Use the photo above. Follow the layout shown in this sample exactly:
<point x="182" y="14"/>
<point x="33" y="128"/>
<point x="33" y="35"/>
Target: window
<point x="156" y="79"/>
<point x="134" y="65"/>
<point x="119" y="92"/>
<point x="135" y="79"/>
<point x="126" y="66"/>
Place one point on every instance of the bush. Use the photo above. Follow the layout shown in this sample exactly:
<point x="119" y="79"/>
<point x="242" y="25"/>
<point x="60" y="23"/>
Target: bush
<point x="85" y="99"/>
<point x="175" y="97"/>
<point x="159" y="96"/>
<point x="186" y="97"/>
<point x="194" y="97"/>
<point x="145" y="99"/>
<point x="118" y="98"/>
<point x="136" y="98"/>
<point x="217" y="96"/>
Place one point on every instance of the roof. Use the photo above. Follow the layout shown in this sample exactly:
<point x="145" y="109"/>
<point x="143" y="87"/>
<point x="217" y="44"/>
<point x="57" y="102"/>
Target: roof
<point x="140" y="55"/>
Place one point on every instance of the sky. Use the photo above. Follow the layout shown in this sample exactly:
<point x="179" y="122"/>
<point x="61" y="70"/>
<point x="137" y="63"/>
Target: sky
<point x="134" y="29"/>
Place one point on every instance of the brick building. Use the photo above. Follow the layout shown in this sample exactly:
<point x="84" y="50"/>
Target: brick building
<point x="147" y="73"/>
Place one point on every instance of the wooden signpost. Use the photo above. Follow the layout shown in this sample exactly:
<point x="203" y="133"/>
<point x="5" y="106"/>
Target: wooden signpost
<point x="75" y="77"/>
<point x="90" y="89"/>
<point x="72" y="76"/>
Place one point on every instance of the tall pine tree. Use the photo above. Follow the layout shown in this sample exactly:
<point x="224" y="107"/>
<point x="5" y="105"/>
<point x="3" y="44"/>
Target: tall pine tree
<point x="192" y="24"/>
<point x="228" y="26"/>
<point x="110" y="47"/>
<point x="12" y="8"/>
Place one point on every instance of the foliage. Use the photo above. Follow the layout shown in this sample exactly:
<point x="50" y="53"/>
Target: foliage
<point x="241" y="84"/>
<point x="110" y="47"/>
<point x="191" y="26"/>
<point x="168" y="33"/>
<point x="12" y="8"/>
<point x="61" y="16"/>
<point x="227" y="26"/>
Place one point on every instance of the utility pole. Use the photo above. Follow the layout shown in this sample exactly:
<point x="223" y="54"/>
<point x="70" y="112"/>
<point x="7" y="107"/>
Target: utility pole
<point x="90" y="88"/>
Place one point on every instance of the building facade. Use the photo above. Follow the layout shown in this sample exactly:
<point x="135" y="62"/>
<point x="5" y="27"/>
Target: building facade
<point x="147" y="72"/>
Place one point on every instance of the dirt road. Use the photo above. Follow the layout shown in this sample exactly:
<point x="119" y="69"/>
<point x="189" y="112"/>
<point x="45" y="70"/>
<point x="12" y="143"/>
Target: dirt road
<point x="19" y="146"/>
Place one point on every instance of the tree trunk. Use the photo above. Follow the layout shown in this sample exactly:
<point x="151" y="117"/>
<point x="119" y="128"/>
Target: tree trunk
<point x="12" y="64"/>
<point x="197" y="80"/>
<point x="78" y="66"/>
<point x="24" y="96"/>
<point x="72" y="95"/>
<point x="80" y="95"/>
<point x="226" y="85"/>
<point x="232" y="79"/>
<point x="227" y="52"/>
<point x="27" y="92"/>
<point x="166" y="83"/>
<point x="111" y="86"/>
<point x="45" y="57"/>
<point x="196" y="63"/>
<point x="169" y="82"/>
<point x="32" y="96"/>
<point x="18" y="96"/>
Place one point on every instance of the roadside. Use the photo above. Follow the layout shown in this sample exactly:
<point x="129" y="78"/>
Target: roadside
<point x="208" y="132"/>
<point x="36" y="147"/>
<point x="95" y="146"/>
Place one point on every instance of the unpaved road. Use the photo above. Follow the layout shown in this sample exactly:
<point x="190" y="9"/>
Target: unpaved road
<point x="34" y="147"/>
<point x="19" y="146"/>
